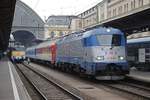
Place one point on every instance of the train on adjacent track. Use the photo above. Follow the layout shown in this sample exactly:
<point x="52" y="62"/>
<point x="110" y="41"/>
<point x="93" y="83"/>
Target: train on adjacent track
<point x="98" y="52"/>
<point x="17" y="54"/>
<point x="138" y="48"/>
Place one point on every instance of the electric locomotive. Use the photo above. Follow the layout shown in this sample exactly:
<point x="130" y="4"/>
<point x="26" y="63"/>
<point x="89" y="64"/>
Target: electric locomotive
<point x="99" y="53"/>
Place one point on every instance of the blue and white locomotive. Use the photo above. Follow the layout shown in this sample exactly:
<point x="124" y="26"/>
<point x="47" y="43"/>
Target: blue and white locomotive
<point x="99" y="52"/>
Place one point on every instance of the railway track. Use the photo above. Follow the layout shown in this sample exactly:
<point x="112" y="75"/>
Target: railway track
<point x="128" y="88"/>
<point x="33" y="92"/>
<point x="47" y="89"/>
<point x="140" y="91"/>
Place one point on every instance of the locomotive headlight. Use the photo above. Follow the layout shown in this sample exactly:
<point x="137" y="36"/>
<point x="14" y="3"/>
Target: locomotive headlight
<point x="100" y="57"/>
<point x="121" y="57"/>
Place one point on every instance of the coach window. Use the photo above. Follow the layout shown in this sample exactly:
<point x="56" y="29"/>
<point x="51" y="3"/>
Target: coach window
<point x="147" y="50"/>
<point x="147" y="57"/>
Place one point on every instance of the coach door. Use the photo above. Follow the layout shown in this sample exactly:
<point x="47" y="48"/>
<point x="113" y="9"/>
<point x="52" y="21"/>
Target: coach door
<point x="53" y="53"/>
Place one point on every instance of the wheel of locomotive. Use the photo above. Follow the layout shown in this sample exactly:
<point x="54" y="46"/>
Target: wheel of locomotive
<point x="82" y="73"/>
<point x="67" y="68"/>
<point x="62" y="67"/>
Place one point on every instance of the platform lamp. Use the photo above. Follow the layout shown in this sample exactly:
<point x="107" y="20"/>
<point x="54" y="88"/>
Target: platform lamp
<point x="11" y="44"/>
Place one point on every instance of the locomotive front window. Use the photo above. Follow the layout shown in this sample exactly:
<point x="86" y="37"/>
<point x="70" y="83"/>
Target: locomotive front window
<point x="20" y="48"/>
<point x="104" y="39"/>
<point x="109" y="40"/>
<point x="116" y="40"/>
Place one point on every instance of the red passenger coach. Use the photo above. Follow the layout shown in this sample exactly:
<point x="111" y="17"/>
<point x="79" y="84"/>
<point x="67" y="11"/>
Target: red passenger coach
<point x="53" y="53"/>
<point x="46" y="52"/>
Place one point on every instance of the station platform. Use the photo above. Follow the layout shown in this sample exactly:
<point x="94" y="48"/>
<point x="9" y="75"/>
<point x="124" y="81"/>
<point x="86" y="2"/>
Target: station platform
<point x="139" y="75"/>
<point x="11" y="86"/>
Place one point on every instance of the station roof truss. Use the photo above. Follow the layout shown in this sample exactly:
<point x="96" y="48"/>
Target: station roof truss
<point x="128" y="24"/>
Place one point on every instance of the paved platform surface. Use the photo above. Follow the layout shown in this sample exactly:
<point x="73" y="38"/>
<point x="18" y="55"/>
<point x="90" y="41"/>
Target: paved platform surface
<point x="11" y="86"/>
<point x="140" y="75"/>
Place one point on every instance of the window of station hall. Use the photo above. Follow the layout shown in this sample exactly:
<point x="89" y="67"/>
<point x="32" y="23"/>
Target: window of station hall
<point x="133" y="4"/>
<point x="120" y="10"/>
<point x="52" y="34"/>
<point x="140" y="2"/>
<point x="126" y="7"/>
<point x="114" y="12"/>
<point x="61" y="33"/>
